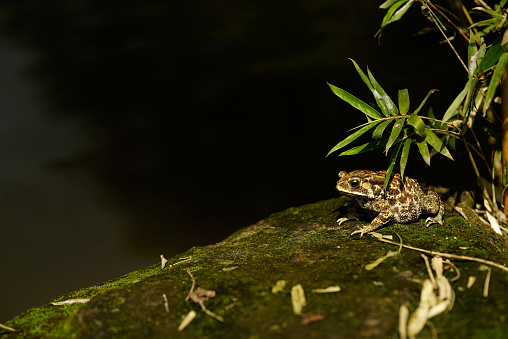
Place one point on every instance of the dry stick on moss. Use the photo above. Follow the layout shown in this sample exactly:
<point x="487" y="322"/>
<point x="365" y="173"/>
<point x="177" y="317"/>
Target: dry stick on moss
<point x="200" y="302"/>
<point x="185" y="259"/>
<point x="455" y="268"/>
<point x="210" y="313"/>
<point x="193" y="284"/>
<point x="447" y="255"/>
<point x="7" y="328"/>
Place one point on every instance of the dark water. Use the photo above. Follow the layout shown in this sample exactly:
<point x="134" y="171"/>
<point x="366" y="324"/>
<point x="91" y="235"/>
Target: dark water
<point x="131" y="130"/>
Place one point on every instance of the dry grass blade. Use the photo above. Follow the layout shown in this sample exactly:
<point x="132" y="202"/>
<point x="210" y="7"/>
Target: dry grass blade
<point x="187" y="320"/>
<point x="193" y="284"/>
<point x="403" y="316"/>
<point x="7" y="328"/>
<point x="164" y="261"/>
<point x="279" y="286"/>
<point x="448" y="255"/>
<point x="329" y="289"/>
<point x="166" y="304"/>
<point x="70" y="301"/>
<point x="298" y="299"/>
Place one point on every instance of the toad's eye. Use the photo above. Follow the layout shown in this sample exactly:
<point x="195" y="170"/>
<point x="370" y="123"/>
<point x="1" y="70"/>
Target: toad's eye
<point x="354" y="183"/>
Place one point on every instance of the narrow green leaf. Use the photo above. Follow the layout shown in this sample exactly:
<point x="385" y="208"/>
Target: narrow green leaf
<point x="362" y="75"/>
<point x="378" y="132"/>
<point x="481" y="54"/>
<point x="403" y="101"/>
<point x="492" y="13"/>
<point x="424" y="151"/>
<point x="495" y="80"/>
<point x="469" y="96"/>
<point x="472" y="54"/>
<point x="418" y="124"/>
<point x="452" y="110"/>
<point x="404" y="156"/>
<point x="438" y="145"/>
<point x="353" y="136"/>
<point x="424" y="100"/>
<point x="355" y="102"/>
<point x="399" y="123"/>
<point x="381" y="97"/>
<point x="435" y="124"/>
<point x="492" y="55"/>
<point x="393" y="160"/>
<point x="488" y="22"/>
<point x="451" y="143"/>
<point x="398" y="14"/>
<point x="388" y="3"/>
<point x="502" y="3"/>
<point x="365" y="147"/>
<point x="391" y="11"/>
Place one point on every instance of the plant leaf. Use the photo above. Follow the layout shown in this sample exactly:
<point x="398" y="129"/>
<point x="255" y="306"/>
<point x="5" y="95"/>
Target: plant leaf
<point x="404" y="156"/>
<point x="391" y="11"/>
<point x="388" y="3"/>
<point x="424" y="151"/>
<point x="472" y="53"/>
<point x="452" y="110"/>
<point x="399" y="123"/>
<point x="438" y="145"/>
<point x="418" y="124"/>
<point x="354" y="136"/>
<point x="382" y="98"/>
<point x="492" y="13"/>
<point x="362" y="75"/>
<point x="355" y="102"/>
<point x="424" y="100"/>
<point x="365" y="147"/>
<point x="479" y="58"/>
<point x="378" y="132"/>
<point x="492" y="55"/>
<point x="435" y="124"/>
<point x="495" y="81"/>
<point x="397" y="14"/>
<point x="403" y="101"/>
<point x="393" y="160"/>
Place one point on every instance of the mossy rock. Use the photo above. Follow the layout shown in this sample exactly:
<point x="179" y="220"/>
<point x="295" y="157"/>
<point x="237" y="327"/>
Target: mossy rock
<point x="303" y="246"/>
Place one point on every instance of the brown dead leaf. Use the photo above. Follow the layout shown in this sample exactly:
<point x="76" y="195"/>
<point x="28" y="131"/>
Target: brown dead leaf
<point x="312" y="318"/>
<point x="201" y="294"/>
<point x="230" y="306"/>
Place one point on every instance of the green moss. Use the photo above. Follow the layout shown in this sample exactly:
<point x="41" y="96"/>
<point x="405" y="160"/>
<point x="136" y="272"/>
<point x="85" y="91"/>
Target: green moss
<point x="302" y="246"/>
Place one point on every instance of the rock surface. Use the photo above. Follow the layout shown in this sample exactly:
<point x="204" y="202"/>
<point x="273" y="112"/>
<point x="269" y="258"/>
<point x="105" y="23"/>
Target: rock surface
<point x="301" y="246"/>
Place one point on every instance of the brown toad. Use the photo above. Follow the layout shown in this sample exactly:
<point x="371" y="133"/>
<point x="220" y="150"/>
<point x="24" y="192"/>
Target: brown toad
<point x="401" y="202"/>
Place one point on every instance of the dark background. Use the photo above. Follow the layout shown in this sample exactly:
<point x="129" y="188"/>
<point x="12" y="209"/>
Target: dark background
<point x="132" y="129"/>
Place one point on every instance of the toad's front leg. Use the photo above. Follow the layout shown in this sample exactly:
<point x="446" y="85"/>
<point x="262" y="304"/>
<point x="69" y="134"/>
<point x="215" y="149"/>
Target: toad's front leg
<point x="385" y="215"/>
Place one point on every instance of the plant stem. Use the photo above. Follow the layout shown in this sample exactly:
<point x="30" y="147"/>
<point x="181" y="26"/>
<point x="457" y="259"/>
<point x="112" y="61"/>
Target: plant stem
<point x="504" y="141"/>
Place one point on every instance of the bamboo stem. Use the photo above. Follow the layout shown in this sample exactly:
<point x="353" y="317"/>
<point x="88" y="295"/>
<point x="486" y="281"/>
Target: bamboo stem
<point x="504" y="141"/>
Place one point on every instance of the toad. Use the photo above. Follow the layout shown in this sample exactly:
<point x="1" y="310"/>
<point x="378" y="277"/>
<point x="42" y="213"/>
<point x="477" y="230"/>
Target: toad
<point x="401" y="202"/>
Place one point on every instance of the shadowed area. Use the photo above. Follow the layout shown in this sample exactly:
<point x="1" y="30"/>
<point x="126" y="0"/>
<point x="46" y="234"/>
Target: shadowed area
<point x="184" y="121"/>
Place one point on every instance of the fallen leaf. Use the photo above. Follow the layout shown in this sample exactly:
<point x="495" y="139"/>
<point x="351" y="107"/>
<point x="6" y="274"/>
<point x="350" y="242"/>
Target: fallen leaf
<point x="298" y="299"/>
<point x="279" y="286"/>
<point x="164" y="261"/>
<point x="201" y="294"/>
<point x="312" y="318"/>
<point x="329" y="289"/>
<point x="70" y="301"/>
<point x="187" y="320"/>
<point x="7" y="328"/>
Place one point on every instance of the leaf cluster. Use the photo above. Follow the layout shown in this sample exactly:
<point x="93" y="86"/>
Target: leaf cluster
<point x="401" y="127"/>
<point x="395" y="128"/>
